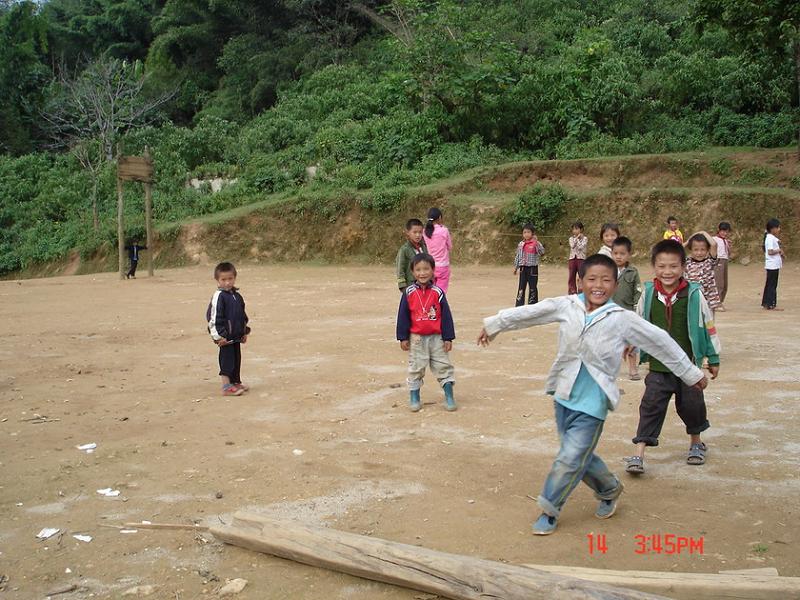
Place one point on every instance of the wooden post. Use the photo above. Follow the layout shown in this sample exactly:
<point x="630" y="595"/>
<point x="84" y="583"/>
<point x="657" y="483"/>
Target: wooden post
<point x="447" y="575"/>
<point x="120" y="229"/>
<point x="148" y="211"/>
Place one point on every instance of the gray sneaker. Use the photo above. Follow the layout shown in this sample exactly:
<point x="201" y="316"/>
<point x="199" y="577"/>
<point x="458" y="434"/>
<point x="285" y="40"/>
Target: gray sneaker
<point x="607" y="508"/>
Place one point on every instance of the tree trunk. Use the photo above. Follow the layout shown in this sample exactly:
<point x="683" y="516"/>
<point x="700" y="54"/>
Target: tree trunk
<point x="797" y="81"/>
<point x="414" y="567"/>
<point x="95" y="218"/>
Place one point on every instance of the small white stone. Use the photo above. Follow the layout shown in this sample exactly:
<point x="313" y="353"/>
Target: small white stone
<point x="232" y="586"/>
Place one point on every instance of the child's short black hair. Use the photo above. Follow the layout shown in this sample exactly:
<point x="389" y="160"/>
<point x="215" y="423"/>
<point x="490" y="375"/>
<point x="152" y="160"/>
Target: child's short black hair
<point x="529" y="226"/>
<point x="606" y="226"/>
<point x="597" y="260"/>
<point x="698" y="237"/>
<point x="623" y="241"/>
<point x="413" y="223"/>
<point x="670" y="219"/>
<point x="724" y="226"/>
<point x="668" y="247"/>
<point x="422" y="257"/>
<point x="577" y="225"/>
<point x="224" y="267"/>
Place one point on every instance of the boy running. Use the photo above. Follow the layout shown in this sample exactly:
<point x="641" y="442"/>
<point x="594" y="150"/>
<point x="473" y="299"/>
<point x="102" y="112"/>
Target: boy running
<point x="593" y="332"/>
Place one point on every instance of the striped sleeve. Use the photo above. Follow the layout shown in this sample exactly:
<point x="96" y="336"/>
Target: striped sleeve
<point x="216" y="321"/>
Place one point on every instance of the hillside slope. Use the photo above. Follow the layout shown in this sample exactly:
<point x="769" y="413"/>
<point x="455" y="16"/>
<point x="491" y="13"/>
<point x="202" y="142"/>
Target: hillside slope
<point x="744" y="187"/>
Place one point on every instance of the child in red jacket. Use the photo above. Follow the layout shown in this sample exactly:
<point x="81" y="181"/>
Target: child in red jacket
<point x="425" y="330"/>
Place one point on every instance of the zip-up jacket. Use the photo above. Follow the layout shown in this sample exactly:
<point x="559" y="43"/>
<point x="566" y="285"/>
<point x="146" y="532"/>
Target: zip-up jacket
<point x="702" y="331"/>
<point x="403" y="263"/>
<point x="598" y="346"/>
<point x="226" y="316"/>
<point x="629" y="288"/>
<point x="133" y="251"/>
<point x="424" y="311"/>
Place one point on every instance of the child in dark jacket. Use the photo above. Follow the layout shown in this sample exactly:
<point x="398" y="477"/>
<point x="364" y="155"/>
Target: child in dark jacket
<point x="227" y="324"/>
<point x="425" y="330"/>
<point x="133" y="255"/>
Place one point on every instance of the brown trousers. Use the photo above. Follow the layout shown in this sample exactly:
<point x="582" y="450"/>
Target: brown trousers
<point x="721" y="277"/>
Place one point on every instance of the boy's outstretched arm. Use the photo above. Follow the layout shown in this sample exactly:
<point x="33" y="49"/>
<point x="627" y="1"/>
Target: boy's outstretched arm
<point x="546" y="311"/>
<point x="658" y="343"/>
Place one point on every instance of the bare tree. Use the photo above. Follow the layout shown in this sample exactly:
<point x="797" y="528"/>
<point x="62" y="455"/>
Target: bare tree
<point x="89" y="112"/>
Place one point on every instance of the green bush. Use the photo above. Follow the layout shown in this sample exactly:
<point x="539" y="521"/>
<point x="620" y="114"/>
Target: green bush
<point x="542" y="205"/>
<point x="384" y="200"/>
<point x="721" y="166"/>
<point x="755" y="175"/>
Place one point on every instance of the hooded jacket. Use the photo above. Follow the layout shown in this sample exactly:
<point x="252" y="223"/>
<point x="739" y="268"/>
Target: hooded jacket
<point x="598" y="345"/>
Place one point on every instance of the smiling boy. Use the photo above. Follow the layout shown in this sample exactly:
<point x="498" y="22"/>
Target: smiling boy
<point x="593" y="333"/>
<point x="425" y="330"/>
<point x="677" y="307"/>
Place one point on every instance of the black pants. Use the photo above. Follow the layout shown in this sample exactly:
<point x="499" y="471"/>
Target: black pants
<point x="770" y="297"/>
<point x="132" y="270"/>
<point x="658" y="389"/>
<point x="528" y="276"/>
<point x="230" y="362"/>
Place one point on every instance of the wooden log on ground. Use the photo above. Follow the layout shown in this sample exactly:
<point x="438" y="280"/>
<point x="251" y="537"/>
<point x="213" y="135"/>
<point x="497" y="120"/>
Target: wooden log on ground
<point x="447" y="575"/>
<point x="756" y="584"/>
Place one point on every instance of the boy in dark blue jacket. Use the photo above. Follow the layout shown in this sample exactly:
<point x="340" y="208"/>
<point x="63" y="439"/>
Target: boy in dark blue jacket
<point x="133" y="255"/>
<point x="227" y="324"/>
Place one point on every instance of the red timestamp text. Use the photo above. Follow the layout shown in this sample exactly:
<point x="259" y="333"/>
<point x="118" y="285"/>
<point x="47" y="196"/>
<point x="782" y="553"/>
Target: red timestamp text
<point x="668" y="543"/>
<point x="655" y="543"/>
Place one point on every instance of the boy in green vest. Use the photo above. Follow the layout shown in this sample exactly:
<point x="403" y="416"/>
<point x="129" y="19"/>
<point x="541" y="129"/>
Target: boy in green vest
<point x="629" y="290"/>
<point x="414" y="245"/>
<point x="677" y="306"/>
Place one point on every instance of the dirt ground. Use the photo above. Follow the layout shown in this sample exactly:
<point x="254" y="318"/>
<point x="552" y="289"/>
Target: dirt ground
<point x="128" y="365"/>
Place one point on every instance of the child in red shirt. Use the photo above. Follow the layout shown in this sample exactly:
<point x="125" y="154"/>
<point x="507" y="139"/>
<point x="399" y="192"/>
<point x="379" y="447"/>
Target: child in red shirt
<point x="425" y="330"/>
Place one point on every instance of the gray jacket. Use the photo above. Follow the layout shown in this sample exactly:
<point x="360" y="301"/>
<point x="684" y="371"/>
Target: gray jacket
<point x="598" y="345"/>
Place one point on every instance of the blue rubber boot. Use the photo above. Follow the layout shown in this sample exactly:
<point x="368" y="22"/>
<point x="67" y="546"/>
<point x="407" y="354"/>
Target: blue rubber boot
<point x="415" y="401"/>
<point x="449" y="401"/>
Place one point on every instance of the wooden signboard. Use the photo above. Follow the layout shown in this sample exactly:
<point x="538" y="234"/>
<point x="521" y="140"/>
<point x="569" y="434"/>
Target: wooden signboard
<point x="135" y="168"/>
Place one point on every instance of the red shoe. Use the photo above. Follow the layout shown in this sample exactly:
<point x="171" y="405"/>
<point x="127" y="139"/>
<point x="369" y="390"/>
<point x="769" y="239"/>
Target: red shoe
<point x="232" y="390"/>
<point x="243" y="386"/>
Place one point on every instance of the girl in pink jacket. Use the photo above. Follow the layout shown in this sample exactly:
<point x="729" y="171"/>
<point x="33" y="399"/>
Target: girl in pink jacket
<point x="437" y="239"/>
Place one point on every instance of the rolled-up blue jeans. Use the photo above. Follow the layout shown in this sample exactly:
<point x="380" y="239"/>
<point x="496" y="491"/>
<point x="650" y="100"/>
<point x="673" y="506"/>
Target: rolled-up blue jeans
<point x="576" y="462"/>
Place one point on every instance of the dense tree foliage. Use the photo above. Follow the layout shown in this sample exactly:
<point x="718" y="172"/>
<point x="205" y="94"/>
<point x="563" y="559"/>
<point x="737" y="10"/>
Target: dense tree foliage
<point x="377" y="94"/>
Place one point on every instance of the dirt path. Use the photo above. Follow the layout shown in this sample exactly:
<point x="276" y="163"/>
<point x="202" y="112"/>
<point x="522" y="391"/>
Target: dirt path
<point x="128" y="365"/>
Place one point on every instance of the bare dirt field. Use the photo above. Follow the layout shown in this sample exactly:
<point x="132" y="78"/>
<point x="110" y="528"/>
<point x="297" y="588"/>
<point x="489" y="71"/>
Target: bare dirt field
<point x="325" y="436"/>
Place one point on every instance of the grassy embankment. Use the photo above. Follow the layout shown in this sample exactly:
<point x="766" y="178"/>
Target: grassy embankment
<point x="742" y="186"/>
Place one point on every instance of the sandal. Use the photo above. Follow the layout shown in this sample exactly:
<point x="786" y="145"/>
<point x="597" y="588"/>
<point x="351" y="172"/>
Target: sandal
<point x="697" y="454"/>
<point x="634" y="465"/>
